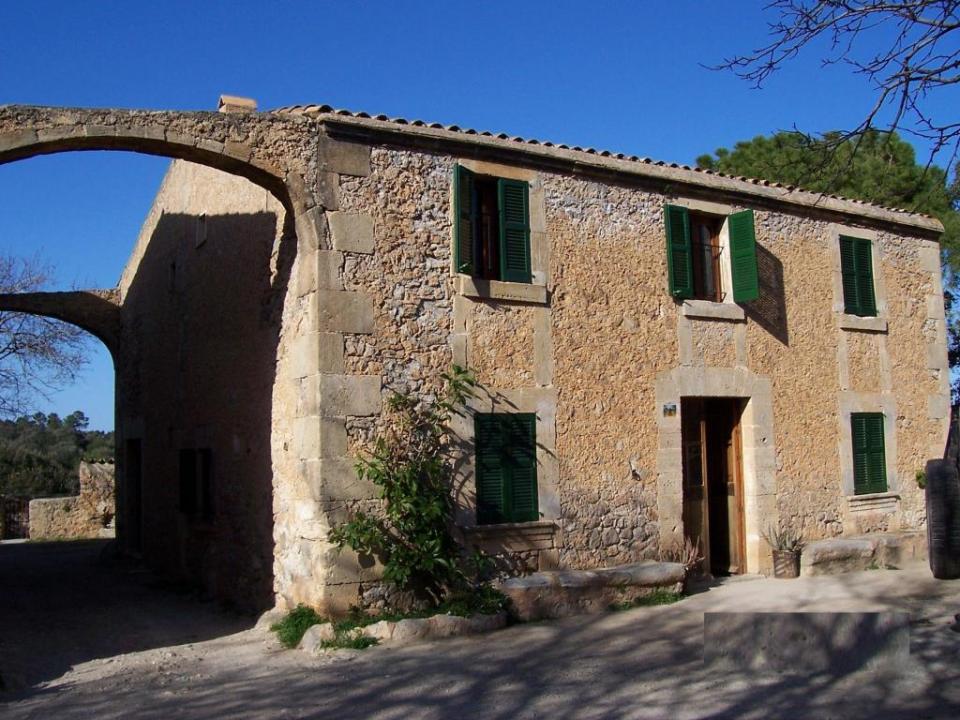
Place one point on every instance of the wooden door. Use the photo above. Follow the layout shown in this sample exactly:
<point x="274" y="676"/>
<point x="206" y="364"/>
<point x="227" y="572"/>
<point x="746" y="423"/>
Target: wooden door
<point x="713" y="481"/>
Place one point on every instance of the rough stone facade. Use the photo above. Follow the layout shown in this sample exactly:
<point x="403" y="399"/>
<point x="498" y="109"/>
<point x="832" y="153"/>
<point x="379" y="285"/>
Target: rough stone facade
<point x="87" y="515"/>
<point x="263" y="318"/>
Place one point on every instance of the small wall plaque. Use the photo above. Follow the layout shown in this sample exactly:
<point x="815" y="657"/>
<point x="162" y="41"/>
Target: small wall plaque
<point x="669" y="409"/>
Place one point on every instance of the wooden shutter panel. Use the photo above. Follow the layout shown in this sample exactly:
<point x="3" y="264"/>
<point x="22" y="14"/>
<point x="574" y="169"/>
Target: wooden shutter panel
<point x="464" y="219"/>
<point x="848" y="270"/>
<point x="513" y="198"/>
<point x="743" y="257"/>
<point x="679" y="251"/>
<point x="520" y="454"/>
<point x="869" y="456"/>
<point x="864" y="263"/>
<point x="490" y="472"/>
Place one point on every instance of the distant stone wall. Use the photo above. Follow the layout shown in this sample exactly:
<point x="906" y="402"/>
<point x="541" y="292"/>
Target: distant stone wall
<point x="87" y="515"/>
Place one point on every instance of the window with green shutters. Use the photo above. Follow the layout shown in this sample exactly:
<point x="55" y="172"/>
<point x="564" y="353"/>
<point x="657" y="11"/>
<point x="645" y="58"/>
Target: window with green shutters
<point x="506" y="467"/>
<point x="694" y="255"/>
<point x="491" y="226"/>
<point x="856" y="268"/>
<point x="869" y="458"/>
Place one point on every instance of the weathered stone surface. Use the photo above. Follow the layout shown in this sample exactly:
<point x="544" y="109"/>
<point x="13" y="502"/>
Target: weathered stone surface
<point x="806" y="643"/>
<point x="342" y="395"/>
<point x="343" y="311"/>
<point x="382" y="631"/>
<point x="573" y="592"/>
<point x="269" y="618"/>
<point x="351" y="232"/>
<point x="88" y="515"/>
<point x="645" y="574"/>
<point x="411" y="630"/>
<point x="315" y="636"/>
<point x="838" y="555"/>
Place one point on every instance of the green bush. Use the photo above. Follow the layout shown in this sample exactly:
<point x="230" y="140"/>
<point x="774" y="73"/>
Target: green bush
<point x="290" y="630"/>
<point x="412" y="465"/>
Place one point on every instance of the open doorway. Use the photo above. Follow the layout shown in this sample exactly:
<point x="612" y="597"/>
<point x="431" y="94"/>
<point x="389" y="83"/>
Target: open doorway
<point x="713" y="481"/>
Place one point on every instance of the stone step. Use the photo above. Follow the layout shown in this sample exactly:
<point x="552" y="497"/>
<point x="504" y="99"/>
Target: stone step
<point x="562" y="593"/>
<point x="850" y="554"/>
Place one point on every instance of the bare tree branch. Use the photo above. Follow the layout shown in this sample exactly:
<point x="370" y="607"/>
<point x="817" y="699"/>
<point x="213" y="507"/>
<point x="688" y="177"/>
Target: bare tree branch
<point x="908" y="51"/>
<point x="38" y="355"/>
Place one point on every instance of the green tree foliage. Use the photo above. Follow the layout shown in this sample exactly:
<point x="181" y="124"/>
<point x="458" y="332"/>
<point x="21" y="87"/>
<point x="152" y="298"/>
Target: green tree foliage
<point x="40" y="454"/>
<point x="877" y="167"/>
<point x="412" y="465"/>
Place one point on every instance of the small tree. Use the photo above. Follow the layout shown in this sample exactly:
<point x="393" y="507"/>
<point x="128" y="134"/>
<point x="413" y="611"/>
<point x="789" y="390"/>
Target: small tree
<point x="38" y="355"/>
<point x="412" y="464"/>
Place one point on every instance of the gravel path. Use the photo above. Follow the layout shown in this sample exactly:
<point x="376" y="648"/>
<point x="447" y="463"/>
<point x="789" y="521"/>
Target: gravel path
<point x="88" y="640"/>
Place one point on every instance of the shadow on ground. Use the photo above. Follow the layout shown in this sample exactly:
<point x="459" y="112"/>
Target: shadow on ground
<point x="64" y="603"/>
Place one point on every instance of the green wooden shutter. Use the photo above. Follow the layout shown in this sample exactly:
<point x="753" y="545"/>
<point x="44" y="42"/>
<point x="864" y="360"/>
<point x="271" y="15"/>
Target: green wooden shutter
<point x="856" y="268"/>
<point x="743" y="257"/>
<point x="490" y="472"/>
<point x="869" y="456"/>
<point x="864" y="262"/>
<point x="464" y="219"/>
<point x="848" y="270"/>
<point x="679" y="251"/>
<point x="513" y="198"/>
<point x="520" y="455"/>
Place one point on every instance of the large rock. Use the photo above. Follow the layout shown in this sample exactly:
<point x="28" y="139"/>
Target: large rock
<point x="574" y="592"/>
<point x="315" y="636"/>
<point x="838" y="555"/>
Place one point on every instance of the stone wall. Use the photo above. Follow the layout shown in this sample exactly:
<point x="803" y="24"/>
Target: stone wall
<point x="602" y="342"/>
<point x="87" y="515"/>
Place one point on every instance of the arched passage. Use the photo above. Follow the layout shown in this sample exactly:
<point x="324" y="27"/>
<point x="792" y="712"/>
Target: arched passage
<point x="223" y="363"/>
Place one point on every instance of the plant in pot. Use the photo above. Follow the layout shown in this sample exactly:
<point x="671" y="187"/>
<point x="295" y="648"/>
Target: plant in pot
<point x="787" y="544"/>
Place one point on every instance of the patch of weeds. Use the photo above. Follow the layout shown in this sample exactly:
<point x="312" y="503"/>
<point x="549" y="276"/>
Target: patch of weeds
<point x="290" y="630"/>
<point x="657" y="597"/>
<point x="349" y="641"/>
<point x="874" y="565"/>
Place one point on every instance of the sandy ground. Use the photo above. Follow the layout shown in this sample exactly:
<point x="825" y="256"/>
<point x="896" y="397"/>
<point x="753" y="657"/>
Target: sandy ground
<point x="84" y="639"/>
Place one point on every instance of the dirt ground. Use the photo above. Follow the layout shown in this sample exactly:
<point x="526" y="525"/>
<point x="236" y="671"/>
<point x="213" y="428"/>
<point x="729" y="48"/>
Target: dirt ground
<point x="80" y="638"/>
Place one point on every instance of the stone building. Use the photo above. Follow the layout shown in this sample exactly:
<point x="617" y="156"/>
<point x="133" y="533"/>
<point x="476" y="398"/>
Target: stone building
<point x="664" y="352"/>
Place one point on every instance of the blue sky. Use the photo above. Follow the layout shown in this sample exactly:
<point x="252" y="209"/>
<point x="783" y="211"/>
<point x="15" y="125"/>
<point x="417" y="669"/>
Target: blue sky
<point x="624" y="76"/>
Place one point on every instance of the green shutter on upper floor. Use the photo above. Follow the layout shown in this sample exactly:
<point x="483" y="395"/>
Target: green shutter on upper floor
<point x="743" y="257"/>
<point x="679" y="251"/>
<point x="856" y="270"/>
<point x="514" y="205"/>
<point x="464" y="219"/>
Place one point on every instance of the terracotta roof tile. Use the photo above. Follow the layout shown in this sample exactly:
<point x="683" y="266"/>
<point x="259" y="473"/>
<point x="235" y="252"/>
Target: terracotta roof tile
<point x="316" y="111"/>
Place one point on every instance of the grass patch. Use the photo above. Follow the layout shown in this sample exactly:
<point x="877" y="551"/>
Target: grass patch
<point x="349" y="641"/>
<point x="657" y="597"/>
<point x="290" y="630"/>
<point x="484" y="601"/>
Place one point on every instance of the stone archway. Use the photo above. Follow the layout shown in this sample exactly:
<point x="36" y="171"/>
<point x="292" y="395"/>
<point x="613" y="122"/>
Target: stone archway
<point x="275" y="152"/>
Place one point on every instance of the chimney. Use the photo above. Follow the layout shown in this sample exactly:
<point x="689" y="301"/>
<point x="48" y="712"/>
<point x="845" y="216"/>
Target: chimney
<point x="233" y="104"/>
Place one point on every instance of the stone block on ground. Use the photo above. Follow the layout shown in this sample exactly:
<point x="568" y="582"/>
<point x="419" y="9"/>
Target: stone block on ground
<point x="574" y="592"/>
<point x="806" y="643"/>
<point x="315" y="636"/>
<point x="838" y="555"/>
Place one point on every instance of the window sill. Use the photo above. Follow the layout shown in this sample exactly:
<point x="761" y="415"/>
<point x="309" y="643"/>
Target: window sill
<point x="707" y="310"/>
<point x="886" y="502"/>
<point x="512" y="537"/>
<point x="498" y="290"/>
<point x="863" y="324"/>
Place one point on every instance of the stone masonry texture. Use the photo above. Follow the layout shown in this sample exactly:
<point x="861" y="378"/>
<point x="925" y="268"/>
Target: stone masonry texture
<point x="296" y="268"/>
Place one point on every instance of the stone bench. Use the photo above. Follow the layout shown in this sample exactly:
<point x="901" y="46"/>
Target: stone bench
<point x="806" y="643"/>
<point x="574" y="592"/>
<point x="849" y="554"/>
